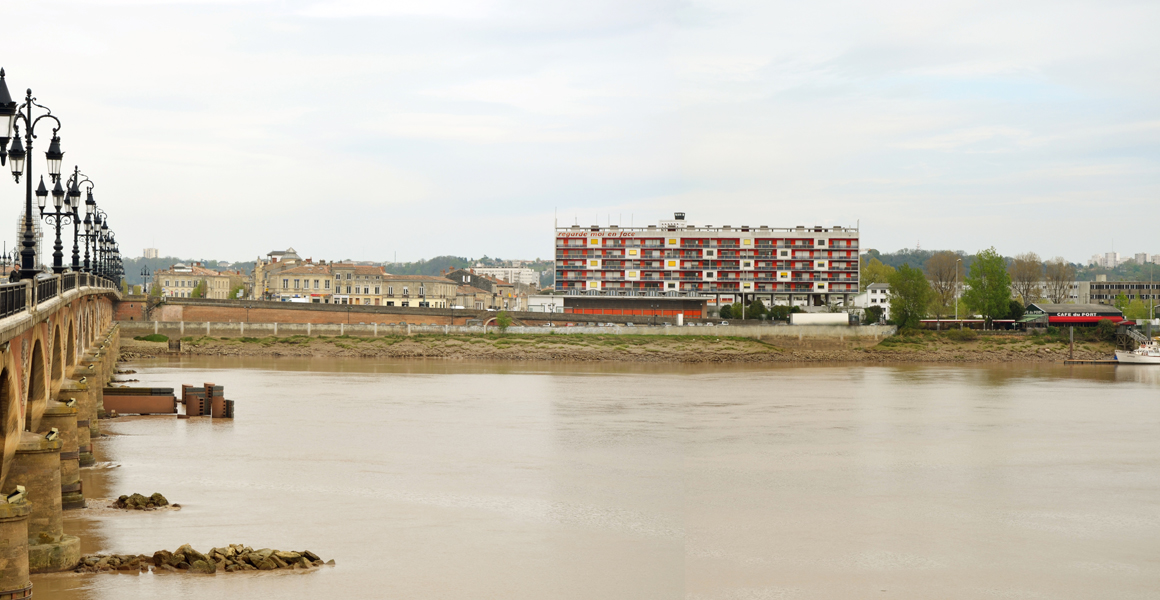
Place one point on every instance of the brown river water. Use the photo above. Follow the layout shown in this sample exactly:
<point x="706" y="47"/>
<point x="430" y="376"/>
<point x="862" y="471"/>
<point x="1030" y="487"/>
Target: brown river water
<point x="450" y="480"/>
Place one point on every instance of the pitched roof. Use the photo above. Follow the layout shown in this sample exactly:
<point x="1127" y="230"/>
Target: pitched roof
<point x="430" y="278"/>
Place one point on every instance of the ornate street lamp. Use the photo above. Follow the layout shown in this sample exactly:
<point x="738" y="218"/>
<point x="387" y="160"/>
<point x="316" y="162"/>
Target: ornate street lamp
<point x="58" y="217"/>
<point x="7" y="118"/>
<point x="76" y="181"/>
<point x="18" y="152"/>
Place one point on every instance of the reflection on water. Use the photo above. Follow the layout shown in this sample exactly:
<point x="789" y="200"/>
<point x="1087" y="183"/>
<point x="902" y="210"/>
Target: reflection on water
<point x="461" y="480"/>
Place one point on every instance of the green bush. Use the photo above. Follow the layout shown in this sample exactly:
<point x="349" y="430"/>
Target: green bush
<point x="1052" y="330"/>
<point x="1105" y="330"/>
<point x="962" y="335"/>
<point x="153" y="337"/>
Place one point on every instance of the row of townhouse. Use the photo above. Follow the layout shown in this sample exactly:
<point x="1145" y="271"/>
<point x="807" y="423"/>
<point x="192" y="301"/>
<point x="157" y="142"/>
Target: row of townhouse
<point x="193" y="281"/>
<point x="287" y="277"/>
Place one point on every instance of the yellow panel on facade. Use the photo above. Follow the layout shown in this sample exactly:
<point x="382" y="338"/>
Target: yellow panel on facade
<point x="672" y="263"/>
<point x="632" y="273"/>
<point x="593" y="263"/>
<point x="632" y="252"/>
<point x="747" y="242"/>
<point x="672" y="241"/>
<point x="594" y="242"/>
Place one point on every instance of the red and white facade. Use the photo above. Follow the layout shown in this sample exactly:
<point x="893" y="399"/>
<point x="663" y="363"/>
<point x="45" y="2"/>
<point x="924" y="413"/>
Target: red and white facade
<point x="801" y="265"/>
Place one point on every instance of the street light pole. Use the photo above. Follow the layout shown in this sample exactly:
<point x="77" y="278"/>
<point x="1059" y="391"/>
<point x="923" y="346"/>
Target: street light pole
<point x="18" y="152"/>
<point x="957" y="263"/>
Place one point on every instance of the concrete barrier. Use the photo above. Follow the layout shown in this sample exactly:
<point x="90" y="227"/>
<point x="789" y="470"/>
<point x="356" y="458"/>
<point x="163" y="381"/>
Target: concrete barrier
<point x="260" y="330"/>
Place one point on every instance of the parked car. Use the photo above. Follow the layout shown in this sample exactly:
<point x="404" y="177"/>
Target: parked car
<point x="724" y="322"/>
<point x="629" y="325"/>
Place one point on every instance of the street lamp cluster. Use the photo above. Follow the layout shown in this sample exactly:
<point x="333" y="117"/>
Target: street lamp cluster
<point x="66" y="200"/>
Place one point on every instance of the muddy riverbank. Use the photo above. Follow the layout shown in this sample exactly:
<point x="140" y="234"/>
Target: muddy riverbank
<point x="930" y="348"/>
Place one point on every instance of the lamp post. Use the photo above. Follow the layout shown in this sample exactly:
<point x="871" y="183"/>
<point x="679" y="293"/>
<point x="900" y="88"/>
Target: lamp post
<point x="18" y="152"/>
<point x="145" y="277"/>
<point x="76" y="180"/>
<point x="957" y="262"/>
<point x="57" y="217"/>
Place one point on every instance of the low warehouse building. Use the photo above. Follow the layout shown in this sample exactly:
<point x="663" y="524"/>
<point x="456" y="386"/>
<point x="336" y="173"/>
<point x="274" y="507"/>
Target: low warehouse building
<point x="1073" y="314"/>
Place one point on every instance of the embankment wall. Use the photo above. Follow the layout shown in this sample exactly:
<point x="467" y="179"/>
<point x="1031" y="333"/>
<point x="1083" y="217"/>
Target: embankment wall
<point x="258" y="330"/>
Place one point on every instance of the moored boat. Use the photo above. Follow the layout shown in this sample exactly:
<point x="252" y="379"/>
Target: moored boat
<point x="1145" y="354"/>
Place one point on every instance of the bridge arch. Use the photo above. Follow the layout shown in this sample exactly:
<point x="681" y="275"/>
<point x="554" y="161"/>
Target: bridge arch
<point x="71" y="350"/>
<point x="57" y="357"/>
<point x="37" y="387"/>
<point x="9" y="418"/>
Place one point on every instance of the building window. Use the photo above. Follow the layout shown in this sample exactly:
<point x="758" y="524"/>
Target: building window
<point x="348" y="289"/>
<point x="285" y="283"/>
<point x="328" y="284"/>
<point x="390" y="303"/>
<point x="376" y="290"/>
<point x="296" y="286"/>
<point x="348" y="275"/>
<point x="405" y="304"/>
<point x="422" y="291"/>
<point x="315" y="284"/>
<point x="404" y="292"/>
<point x="390" y="292"/>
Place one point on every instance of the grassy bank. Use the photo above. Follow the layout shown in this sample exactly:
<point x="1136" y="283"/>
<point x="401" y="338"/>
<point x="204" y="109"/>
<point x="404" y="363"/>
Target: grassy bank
<point x="946" y="346"/>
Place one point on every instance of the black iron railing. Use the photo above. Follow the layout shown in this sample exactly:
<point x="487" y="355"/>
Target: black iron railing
<point x="13" y="299"/>
<point x="47" y="289"/>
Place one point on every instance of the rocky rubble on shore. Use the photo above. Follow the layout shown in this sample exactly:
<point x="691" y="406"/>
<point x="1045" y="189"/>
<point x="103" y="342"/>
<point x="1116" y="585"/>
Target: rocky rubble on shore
<point x="141" y="502"/>
<point x="231" y="558"/>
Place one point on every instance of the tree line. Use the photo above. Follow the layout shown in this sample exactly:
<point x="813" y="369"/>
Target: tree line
<point x="992" y="286"/>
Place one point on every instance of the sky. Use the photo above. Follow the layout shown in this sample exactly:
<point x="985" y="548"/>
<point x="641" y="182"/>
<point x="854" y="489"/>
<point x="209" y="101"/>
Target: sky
<point x="370" y="130"/>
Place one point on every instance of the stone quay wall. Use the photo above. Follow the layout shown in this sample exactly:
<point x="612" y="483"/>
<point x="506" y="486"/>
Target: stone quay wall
<point x="183" y="329"/>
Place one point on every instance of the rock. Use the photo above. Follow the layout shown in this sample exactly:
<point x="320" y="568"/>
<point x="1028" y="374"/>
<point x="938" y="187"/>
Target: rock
<point x="183" y="565"/>
<point x="267" y="565"/>
<point x="310" y="555"/>
<point x="168" y="568"/>
<point x="192" y="555"/>
<point x="278" y="561"/>
<point x="161" y="557"/>
<point x="302" y="562"/>
<point x="287" y="556"/>
<point x="330" y="562"/>
<point x="203" y="566"/>
<point x="265" y="552"/>
<point x="158" y="499"/>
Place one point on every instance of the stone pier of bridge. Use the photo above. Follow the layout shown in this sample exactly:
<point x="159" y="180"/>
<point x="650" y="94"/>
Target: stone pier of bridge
<point x="58" y="349"/>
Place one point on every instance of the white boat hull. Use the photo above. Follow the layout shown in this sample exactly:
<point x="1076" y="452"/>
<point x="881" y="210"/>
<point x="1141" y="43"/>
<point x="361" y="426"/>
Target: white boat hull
<point x="1137" y="359"/>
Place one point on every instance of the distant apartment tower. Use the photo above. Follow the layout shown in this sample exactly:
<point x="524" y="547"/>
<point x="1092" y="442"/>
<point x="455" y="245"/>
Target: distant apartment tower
<point x="522" y="275"/>
<point x="150" y="253"/>
<point x="810" y="265"/>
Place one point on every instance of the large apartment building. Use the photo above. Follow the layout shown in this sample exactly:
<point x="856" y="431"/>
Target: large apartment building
<point x="723" y="264"/>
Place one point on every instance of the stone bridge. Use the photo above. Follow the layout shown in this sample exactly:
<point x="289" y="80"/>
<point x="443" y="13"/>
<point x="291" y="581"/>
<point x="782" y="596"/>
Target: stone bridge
<point x="58" y="348"/>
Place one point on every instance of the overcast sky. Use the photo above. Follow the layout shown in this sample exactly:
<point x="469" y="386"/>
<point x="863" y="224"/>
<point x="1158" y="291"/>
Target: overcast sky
<point x="358" y="128"/>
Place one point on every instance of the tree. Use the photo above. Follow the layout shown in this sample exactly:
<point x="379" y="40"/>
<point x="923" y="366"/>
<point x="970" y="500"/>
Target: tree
<point x="755" y="310"/>
<point x="779" y="313"/>
<point x="503" y="321"/>
<point x="910" y="295"/>
<point x="874" y="272"/>
<point x="988" y="285"/>
<point x="1060" y="275"/>
<point x="1026" y="272"/>
<point x="1015" y="309"/>
<point x="943" y="271"/>
<point x="873" y="314"/>
<point x="726" y="312"/>
<point x="1137" y="310"/>
<point x="199" y="291"/>
<point x="1121" y="301"/>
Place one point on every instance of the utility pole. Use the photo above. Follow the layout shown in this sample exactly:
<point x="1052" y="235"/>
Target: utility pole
<point x="1071" y="348"/>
